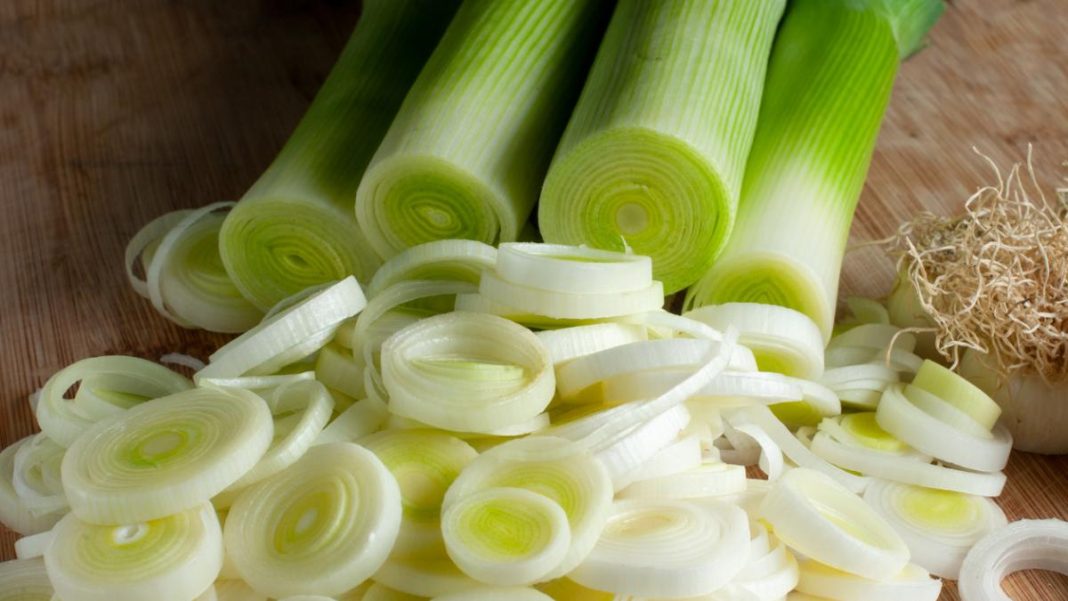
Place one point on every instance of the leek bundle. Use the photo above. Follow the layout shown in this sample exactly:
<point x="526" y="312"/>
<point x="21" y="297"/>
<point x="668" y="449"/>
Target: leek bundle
<point x="654" y="154"/>
<point x="294" y="228"/>
<point x="829" y="81"/>
<point x="469" y="148"/>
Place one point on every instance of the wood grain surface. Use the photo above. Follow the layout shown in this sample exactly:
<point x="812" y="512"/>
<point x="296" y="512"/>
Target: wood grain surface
<point x="112" y="112"/>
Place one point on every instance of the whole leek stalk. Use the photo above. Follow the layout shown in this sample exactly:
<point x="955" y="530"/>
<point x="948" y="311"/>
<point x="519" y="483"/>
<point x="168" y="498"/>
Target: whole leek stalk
<point x="468" y="150"/>
<point x="654" y="154"/>
<point x="829" y="82"/>
<point x="295" y="228"/>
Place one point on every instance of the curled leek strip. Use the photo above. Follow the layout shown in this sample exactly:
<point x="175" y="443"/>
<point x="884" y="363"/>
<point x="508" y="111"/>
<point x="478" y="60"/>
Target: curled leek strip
<point x="129" y="380"/>
<point x="506" y="536"/>
<point x="461" y="260"/>
<point x="1021" y="545"/>
<point x="553" y="304"/>
<point x="467" y="372"/>
<point x="959" y="392"/>
<point x="820" y="518"/>
<point x="424" y="577"/>
<point x="555" y="468"/>
<point x="24" y="580"/>
<point x="496" y="594"/>
<point x="174" y="558"/>
<point x="36" y="476"/>
<point x="288" y="335"/>
<point x="29" y="547"/>
<point x="186" y="281"/>
<point x="667" y="548"/>
<point x="425" y="463"/>
<point x="938" y="526"/>
<point x="323" y="525"/>
<point x="13" y="511"/>
<point x="566" y="344"/>
<point x="166" y="455"/>
<point x="743" y="432"/>
<point x="784" y="340"/>
<point x="144" y="242"/>
<point x="574" y="269"/>
<point x="912" y="583"/>
<point x="898" y="415"/>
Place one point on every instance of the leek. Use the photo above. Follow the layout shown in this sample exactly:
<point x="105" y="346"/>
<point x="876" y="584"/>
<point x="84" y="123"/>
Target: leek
<point x="13" y="511"/>
<point x="24" y="580"/>
<point x="654" y="154"/>
<point x="294" y="228"/>
<point x="470" y="145"/>
<point x="828" y="85"/>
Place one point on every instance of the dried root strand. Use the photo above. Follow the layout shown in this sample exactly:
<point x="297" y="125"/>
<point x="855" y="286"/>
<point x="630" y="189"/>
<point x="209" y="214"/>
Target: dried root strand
<point x="995" y="279"/>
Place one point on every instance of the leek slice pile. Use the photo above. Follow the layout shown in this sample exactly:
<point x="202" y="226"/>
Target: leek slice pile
<point x="654" y="153"/>
<point x="829" y="81"/>
<point x="465" y="156"/>
<point x="295" y="226"/>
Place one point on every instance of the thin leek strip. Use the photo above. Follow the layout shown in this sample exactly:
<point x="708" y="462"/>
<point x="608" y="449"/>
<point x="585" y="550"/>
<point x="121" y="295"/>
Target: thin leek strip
<point x="566" y="344"/>
<point x="30" y="547"/>
<point x="36" y="476"/>
<point x="654" y="153"/>
<point x="784" y="341"/>
<point x="377" y="592"/>
<point x="574" y="269"/>
<point x="467" y="152"/>
<point x="667" y="549"/>
<point x="1021" y="545"/>
<point x="166" y="455"/>
<point x="757" y="387"/>
<point x="912" y="583"/>
<point x="289" y="335"/>
<point x="424" y="577"/>
<point x="337" y="368"/>
<point x="174" y="558"/>
<point x="261" y="385"/>
<point x="506" y="536"/>
<point x="460" y="260"/>
<point x="301" y="410"/>
<point x="13" y="512"/>
<point x="793" y="448"/>
<point x="236" y="590"/>
<point x="959" y="392"/>
<point x="770" y="456"/>
<point x="569" y="305"/>
<point x="467" y="372"/>
<point x="555" y="468"/>
<point x="497" y="594"/>
<point x="899" y="416"/>
<point x="818" y="517"/>
<point x="186" y="281"/>
<point x="64" y="421"/>
<point x="711" y="479"/>
<point x="323" y="525"/>
<point x="829" y="81"/>
<point x="906" y="469"/>
<point x="938" y="526"/>
<point x="295" y="226"/>
<point x="24" y="580"/>
<point x="425" y="463"/>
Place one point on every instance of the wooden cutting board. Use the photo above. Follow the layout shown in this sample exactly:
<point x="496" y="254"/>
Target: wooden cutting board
<point x="113" y="112"/>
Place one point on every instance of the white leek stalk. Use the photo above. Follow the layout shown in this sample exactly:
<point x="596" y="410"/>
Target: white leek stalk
<point x="824" y="521"/>
<point x="174" y="558"/>
<point x="108" y="385"/>
<point x="467" y="372"/>
<point x="938" y="526"/>
<point x="1022" y="545"/>
<point x="654" y="153"/>
<point x="13" y="511"/>
<point x="425" y="463"/>
<point x="829" y="81"/>
<point x="166" y="455"/>
<point x="912" y="583"/>
<point x="667" y="549"/>
<point x="295" y="226"/>
<point x="467" y="152"/>
<point x="24" y="580"/>
<point x="323" y="525"/>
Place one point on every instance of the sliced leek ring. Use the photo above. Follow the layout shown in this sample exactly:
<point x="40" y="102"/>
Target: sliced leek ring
<point x="496" y="594"/>
<point x="573" y="269"/>
<point x="36" y="476"/>
<point x="377" y="592"/>
<point x="461" y="260"/>
<point x="569" y="305"/>
<point x="711" y="479"/>
<point x="1021" y="545"/>
<point x="166" y="455"/>
<point x="912" y="583"/>
<point x="175" y="558"/>
<point x="13" y="511"/>
<point x="566" y="344"/>
<point x="424" y="577"/>
<point x="958" y="391"/>
<point x="358" y="420"/>
<point x="323" y="525"/>
<point x="236" y="590"/>
<point x="24" y="580"/>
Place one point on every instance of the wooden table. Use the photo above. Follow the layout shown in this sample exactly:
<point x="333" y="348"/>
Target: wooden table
<point x="112" y="112"/>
